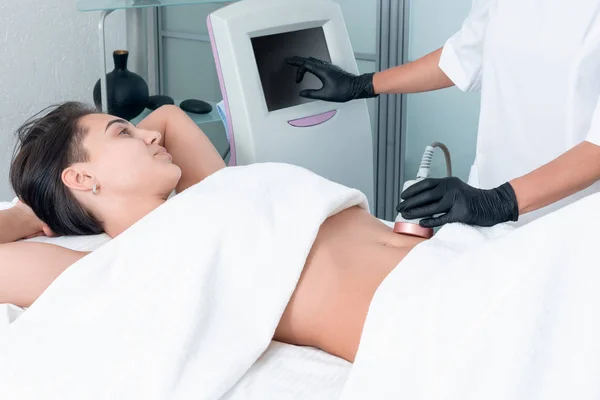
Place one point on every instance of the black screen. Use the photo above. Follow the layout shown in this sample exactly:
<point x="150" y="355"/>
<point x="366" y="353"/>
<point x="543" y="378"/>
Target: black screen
<point x="277" y="77"/>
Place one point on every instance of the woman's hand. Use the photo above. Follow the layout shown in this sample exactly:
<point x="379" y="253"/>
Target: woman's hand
<point x="33" y="225"/>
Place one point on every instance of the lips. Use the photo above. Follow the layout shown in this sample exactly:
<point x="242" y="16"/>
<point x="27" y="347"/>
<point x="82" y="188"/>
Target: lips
<point x="162" y="151"/>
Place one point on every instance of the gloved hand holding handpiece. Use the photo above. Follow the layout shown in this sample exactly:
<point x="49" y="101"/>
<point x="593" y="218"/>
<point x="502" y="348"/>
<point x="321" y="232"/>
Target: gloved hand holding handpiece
<point x="458" y="202"/>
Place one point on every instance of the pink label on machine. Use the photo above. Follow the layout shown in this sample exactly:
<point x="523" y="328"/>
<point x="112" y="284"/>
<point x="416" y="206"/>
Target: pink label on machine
<point x="313" y="120"/>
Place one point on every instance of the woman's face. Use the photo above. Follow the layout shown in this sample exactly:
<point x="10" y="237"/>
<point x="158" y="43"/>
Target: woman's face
<point x="126" y="161"/>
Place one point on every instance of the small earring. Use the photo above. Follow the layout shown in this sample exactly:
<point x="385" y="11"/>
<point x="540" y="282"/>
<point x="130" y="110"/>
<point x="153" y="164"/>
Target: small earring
<point x="94" y="189"/>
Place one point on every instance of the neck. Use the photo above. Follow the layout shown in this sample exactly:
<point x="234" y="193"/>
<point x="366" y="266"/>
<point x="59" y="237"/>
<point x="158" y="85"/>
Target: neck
<point x="120" y="214"/>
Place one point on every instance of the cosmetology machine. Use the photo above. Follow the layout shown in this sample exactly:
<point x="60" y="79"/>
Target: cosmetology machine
<point x="267" y="119"/>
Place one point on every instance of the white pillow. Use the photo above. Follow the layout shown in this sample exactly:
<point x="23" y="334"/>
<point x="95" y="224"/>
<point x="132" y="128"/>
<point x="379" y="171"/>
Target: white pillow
<point x="7" y="204"/>
<point x="78" y="243"/>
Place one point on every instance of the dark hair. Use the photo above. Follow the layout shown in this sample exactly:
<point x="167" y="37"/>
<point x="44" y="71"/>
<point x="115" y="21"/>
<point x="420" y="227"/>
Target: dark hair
<point x="49" y="142"/>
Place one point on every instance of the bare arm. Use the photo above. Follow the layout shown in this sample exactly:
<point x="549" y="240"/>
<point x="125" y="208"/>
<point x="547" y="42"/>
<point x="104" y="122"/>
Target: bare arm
<point x="191" y="150"/>
<point x="421" y="75"/>
<point x="573" y="171"/>
<point x="27" y="269"/>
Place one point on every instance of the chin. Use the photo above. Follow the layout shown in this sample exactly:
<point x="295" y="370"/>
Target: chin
<point x="173" y="177"/>
<point x="177" y="173"/>
<point x="170" y="172"/>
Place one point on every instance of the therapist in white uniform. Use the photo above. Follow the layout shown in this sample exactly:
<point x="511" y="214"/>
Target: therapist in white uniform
<point x="537" y="65"/>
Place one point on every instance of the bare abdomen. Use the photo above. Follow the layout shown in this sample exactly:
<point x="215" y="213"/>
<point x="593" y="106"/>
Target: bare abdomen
<point x="352" y="255"/>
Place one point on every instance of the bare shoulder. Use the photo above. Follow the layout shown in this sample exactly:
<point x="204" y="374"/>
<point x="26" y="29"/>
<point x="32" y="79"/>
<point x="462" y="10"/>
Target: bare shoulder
<point x="28" y="268"/>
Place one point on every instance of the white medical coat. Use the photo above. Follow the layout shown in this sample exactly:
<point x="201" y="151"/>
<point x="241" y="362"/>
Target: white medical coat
<point x="537" y="65"/>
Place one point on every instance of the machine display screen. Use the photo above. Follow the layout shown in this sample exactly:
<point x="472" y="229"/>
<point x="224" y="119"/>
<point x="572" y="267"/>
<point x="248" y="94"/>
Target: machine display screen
<point x="277" y="77"/>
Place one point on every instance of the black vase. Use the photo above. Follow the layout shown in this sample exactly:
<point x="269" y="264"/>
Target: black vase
<point x="127" y="91"/>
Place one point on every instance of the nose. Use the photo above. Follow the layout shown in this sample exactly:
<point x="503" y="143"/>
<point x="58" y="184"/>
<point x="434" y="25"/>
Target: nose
<point x="152" y="137"/>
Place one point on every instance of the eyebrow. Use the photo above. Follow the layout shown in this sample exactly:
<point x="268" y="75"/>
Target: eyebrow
<point x="115" y="121"/>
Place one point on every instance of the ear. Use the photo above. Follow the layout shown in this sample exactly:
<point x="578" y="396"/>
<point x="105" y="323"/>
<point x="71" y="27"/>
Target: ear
<point x="75" y="177"/>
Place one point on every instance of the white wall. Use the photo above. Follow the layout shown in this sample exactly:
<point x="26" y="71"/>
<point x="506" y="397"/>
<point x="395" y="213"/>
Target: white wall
<point x="48" y="54"/>
<point x="448" y="115"/>
<point x="361" y="23"/>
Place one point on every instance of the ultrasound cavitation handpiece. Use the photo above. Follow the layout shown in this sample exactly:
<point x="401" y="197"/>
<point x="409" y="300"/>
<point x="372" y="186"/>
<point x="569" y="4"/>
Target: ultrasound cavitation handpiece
<point x="412" y="227"/>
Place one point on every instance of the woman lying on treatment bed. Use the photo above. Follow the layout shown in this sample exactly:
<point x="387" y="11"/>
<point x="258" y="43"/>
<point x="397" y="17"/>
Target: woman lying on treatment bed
<point x="84" y="173"/>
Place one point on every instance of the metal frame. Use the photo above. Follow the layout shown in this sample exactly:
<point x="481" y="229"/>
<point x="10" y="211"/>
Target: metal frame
<point x="392" y="23"/>
<point x="159" y="38"/>
<point x="102" y="38"/>
<point x="153" y="51"/>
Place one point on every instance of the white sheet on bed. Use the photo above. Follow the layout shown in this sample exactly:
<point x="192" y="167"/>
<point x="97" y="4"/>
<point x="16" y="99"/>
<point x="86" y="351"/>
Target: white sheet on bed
<point x="167" y="310"/>
<point x="489" y="314"/>
<point x="287" y="372"/>
<point x="497" y="313"/>
<point x="283" y="372"/>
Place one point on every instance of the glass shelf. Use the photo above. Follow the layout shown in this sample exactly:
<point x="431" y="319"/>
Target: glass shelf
<point x="212" y="116"/>
<point x="101" y="5"/>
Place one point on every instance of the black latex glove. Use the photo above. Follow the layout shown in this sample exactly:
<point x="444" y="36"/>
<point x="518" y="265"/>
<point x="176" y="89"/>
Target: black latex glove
<point x="458" y="202"/>
<point x="338" y="85"/>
